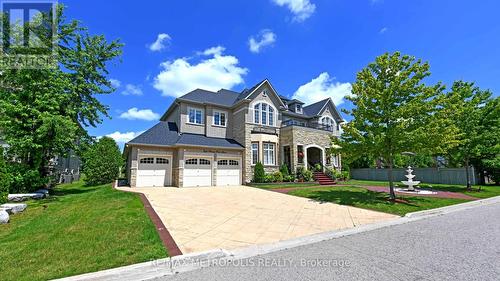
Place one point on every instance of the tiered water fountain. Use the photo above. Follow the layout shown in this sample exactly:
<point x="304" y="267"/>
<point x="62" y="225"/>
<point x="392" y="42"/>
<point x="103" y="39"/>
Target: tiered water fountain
<point x="411" y="184"/>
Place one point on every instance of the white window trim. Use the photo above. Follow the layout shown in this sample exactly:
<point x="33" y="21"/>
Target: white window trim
<point x="213" y="118"/>
<point x="298" y="108"/>
<point x="202" y="116"/>
<point x="264" y="154"/>
<point x="275" y="114"/>
<point x="251" y="152"/>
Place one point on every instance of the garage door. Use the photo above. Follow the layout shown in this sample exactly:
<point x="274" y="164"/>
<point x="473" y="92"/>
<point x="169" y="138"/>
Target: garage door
<point x="197" y="172"/>
<point x="154" y="171"/>
<point x="228" y="172"/>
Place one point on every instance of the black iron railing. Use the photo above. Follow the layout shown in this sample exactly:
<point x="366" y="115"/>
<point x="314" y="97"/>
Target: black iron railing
<point x="318" y="126"/>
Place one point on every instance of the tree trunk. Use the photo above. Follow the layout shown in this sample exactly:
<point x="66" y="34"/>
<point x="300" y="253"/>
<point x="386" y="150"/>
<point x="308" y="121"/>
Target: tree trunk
<point x="467" y="173"/>
<point x="391" y="180"/>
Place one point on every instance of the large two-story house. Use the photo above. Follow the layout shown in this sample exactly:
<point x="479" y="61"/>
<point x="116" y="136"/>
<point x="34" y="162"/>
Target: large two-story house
<point x="215" y="138"/>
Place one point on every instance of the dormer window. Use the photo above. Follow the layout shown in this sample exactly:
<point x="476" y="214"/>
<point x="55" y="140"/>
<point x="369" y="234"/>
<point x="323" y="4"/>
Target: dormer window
<point x="195" y="116"/>
<point x="298" y="108"/>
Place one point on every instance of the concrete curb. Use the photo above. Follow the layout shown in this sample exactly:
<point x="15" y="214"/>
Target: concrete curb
<point x="189" y="262"/>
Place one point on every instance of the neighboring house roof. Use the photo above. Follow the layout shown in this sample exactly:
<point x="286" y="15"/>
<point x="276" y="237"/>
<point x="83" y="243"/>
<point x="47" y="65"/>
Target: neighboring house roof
<point x="167" y="134"/>
<point x="202" y="140"/>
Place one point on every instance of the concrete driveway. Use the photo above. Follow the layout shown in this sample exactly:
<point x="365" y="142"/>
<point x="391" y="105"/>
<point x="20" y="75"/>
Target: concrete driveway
<point x="205" y="218"/>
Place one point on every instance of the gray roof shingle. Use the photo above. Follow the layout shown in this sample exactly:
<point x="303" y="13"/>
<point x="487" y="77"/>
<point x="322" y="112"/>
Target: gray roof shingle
<point x="202" y="140"/>
<point x="222" y="97"/>
<point x="167" y="134"/>
<point x="163" y="133"/>
<point x="314" y="109"/>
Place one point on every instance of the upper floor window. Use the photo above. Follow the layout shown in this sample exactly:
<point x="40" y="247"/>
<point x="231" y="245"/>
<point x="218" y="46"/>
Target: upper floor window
<point x="264" y="114"/>
<point x="298" y="108"/>
<point x="220" y="118"/>
<point x="195" y="116"/>
<point x="327" y="122"/>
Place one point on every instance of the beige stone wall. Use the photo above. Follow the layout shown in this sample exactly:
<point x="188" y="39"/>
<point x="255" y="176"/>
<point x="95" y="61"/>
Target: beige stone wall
<point x="307" y="137"/>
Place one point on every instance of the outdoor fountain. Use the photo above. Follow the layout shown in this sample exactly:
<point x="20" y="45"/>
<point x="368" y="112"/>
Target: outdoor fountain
<point x="411" y="184"/>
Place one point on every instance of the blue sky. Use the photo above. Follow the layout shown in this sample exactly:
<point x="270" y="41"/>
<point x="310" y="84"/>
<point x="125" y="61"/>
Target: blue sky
<point x="306" y="48"/>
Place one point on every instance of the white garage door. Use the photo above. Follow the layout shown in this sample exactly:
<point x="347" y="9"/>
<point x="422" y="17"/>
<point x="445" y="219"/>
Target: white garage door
<point x="197" y="172"/>
<point x="228" y="172"/>
<point x="154" y="171"/>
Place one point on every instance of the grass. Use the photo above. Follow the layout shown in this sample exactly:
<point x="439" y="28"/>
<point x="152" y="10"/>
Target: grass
<point x="284" y="185"/>
<point x="76" y="230"/>
<point x="363" y="198"/>
<point x="478" y="191"/>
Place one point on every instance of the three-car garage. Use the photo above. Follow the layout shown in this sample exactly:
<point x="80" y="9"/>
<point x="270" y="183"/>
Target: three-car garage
<point x="156" y="169"/>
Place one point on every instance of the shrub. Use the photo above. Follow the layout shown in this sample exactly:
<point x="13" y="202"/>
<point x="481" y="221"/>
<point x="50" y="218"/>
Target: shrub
<point x="4" y="179"/>
<point x="308" y="175"/>
<point x="331" y="173"/>
<point x="268" y="178"/>
<point x="259" y="175"/>
<point x="289" y="178"/>
<point x="346" y="175"/>
<point x="299" y="172"/>
<point x="318" y="168"/>
<point x="102" y="162"/>
<point x="25" y="179"/>
<point x="277" y="176"/>
<point x="284" y="170"/>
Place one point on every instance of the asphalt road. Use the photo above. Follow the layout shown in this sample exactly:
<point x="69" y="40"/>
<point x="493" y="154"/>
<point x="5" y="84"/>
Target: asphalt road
<point x="463" y="245"/>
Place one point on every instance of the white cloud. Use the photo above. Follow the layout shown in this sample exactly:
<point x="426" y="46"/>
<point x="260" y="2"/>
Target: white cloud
<point x="323" y="87"/>
<point x="218" y="50"/>
<point x="115" y="83"/>
<point x="301" y="9"/>
<point x="181" y="76"/>
<point x="123" y="137"/>
<point x="133" y="90"/>
<point x="161" y="42"/>
<point x="142" y="114"/>
<point x="383" y="30"/>
<point x="265" y="38"/>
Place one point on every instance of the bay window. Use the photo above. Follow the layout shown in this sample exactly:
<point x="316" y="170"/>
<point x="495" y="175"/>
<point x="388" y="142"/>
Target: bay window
<point x="255" y="153"/>
<point x="269" y="154"/>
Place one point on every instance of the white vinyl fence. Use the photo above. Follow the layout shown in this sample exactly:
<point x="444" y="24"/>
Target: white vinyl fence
<point x="424" y="175"/>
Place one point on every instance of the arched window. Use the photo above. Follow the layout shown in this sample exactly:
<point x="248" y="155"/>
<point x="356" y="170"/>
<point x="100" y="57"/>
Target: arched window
<point x="327" y="122"/>
<point x="264" y="114"/>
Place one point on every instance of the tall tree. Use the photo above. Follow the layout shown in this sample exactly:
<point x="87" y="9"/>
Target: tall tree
<point x="44" y="112"/>
<point x="102" y="162"/>
<point x="394" y="112"/>
<point x="477" y="118"/>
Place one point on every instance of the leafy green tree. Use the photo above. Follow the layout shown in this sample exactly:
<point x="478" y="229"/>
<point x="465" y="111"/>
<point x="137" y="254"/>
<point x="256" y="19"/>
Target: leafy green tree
<point x="44" y="112"/>
<point x="395" y="112"/>
<point x="4" y="178"/>
<point x="477" y="117"/>
<point x="259" y="175"/>
<point x="102" y="162"/>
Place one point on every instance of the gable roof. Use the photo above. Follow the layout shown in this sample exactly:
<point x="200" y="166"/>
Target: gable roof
<point x="315" y="108"/>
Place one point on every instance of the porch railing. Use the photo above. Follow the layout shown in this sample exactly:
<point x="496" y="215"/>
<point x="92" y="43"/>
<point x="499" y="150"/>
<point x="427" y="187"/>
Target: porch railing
<point x="317" y="126"/>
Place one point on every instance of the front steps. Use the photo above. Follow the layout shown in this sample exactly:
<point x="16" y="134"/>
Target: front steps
<point x="323" y="179"/>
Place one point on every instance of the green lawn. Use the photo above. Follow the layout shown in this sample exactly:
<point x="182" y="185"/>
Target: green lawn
<point x="363" y="198"/>
<point x="284" y="185"/>
<point x="77" y="230"/>
<point x="478" y="191"/>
